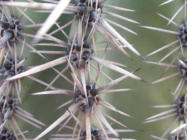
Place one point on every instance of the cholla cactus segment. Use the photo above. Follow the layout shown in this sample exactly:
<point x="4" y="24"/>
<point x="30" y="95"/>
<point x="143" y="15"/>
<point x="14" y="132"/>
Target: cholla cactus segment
<point x="79" y="53"/>
<point x="13" y="32"/>
<point x="178" y="109"/>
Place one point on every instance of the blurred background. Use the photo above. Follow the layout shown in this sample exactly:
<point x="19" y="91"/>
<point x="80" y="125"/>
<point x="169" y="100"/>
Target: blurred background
<point x="138" y="102"/>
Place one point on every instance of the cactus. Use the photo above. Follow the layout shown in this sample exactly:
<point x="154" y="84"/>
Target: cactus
<point x="78" y="58"/>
